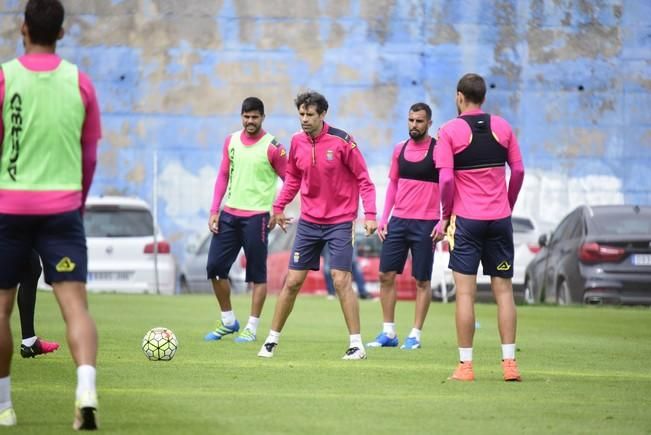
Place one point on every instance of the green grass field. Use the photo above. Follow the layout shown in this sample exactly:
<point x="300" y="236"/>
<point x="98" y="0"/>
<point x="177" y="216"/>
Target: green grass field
<point x="585" y="370"/>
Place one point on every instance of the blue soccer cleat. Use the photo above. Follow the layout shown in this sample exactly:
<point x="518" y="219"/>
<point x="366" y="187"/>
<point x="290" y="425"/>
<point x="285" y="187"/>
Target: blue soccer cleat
<point x="222" y="330"/>
<point x="411" y="343"/>
<point x="383" y="340"/>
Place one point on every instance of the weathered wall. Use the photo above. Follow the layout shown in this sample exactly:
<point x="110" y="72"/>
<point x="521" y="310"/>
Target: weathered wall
<point x="573" y="77"/>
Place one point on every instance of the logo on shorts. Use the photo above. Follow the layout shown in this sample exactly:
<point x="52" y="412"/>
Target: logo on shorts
<point x="504" y="265"/>
<point x="330" y="155"/>
<point x="65" y="265"/>
<point x="297" y="256"/>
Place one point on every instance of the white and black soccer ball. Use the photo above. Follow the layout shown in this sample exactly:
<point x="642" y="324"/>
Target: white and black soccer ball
<point x="159" y="344"/>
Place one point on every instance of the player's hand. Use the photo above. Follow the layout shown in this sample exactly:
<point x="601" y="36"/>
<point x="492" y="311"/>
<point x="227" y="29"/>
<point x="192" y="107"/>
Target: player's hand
<point x="370" y="226"/>
<point x="281" y="220"/>
<point x="213" y="223"/>
<point x="382" y="231"/>
<point x="438" y="233"/>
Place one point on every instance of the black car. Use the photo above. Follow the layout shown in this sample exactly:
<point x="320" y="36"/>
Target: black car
<point x="597" y="254"/>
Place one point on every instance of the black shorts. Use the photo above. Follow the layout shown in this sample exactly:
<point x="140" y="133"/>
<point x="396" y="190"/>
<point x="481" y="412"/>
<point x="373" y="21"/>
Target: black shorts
<point x="235" y="233"/>
<point x="490" y="242"/>
<point x="404" y="235"/>
<point x="59" y="239"/>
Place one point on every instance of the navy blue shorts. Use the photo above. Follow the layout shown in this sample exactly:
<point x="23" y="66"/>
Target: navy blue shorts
<point x="404" y="235"/>
<point x="59" y="239"/>
<point x="309" y="242"/>
<point x="237" y="232"/>
<point x="490" y="242"/>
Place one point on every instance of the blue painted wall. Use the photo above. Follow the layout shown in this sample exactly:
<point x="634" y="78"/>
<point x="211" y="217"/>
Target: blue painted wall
<point x="572" y="76"/>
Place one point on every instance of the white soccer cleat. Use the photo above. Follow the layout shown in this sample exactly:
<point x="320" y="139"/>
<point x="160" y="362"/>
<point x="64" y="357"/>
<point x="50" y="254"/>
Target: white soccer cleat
<point x="355" y="353"/>
<point x="8" y="417"/>
<point x="267" y="350"/>
<point x="86" y="412"/>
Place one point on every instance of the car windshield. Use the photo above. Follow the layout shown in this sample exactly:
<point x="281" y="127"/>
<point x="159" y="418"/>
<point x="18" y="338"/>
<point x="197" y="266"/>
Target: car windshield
<point x="621" y="222"/>
<point x="522" y="225"/>
<point x="118" y="222"/>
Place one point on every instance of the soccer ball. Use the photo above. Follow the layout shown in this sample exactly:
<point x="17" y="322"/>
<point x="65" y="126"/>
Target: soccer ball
<point x="159" y="344"/>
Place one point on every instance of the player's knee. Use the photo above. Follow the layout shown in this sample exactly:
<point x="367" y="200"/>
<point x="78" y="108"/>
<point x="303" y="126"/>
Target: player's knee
<point x="387" y="277"/>
<point x="423" y="286"/>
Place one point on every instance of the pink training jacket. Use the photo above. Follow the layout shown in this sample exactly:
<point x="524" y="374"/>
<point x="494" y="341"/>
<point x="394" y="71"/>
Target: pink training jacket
<point x="53" y="202"/>
<point x="331" y="174"/>
<point x="411" y="199"/>
<point x="478" y="193"/>
<point x="277" y="158"/>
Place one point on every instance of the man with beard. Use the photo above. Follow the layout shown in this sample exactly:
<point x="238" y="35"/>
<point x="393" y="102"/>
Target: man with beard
<point x="251" y="160"/>
<point x="413" y="195"/>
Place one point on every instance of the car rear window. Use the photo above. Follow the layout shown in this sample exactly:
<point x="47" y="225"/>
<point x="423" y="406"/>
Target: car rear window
<point x="522" y="225"/>
<point x="118" y="222"/>
<point x="621" y="223"/>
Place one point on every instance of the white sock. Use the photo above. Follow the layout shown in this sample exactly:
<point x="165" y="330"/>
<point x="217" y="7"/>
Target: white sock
<point x="415" y="333"/>
<point x="465" y="354"/>
<point x="389" y="329"/>
<point x="356" y="341"/>
<point x="29" y="341"/>
<point x="5" y="393"/>
<point x="228" y="318"/>
<point x="273" y="337"/>
<point x="508" y="351"/>
<point x="85" y="379"/>
<point x="253" y="323"/>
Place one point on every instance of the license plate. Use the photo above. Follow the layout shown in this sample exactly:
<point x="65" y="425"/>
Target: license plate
<point x="109" y="276"/>
<point x="642" y="260"/>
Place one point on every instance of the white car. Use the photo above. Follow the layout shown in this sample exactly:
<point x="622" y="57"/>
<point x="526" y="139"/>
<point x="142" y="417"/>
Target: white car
<point x="193" y="276"/>
<point x="123" y="250"/>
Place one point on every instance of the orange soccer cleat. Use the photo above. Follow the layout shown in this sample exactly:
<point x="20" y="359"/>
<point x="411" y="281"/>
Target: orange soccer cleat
<point x="463" y="372"/>
<point x="511" y="372"/>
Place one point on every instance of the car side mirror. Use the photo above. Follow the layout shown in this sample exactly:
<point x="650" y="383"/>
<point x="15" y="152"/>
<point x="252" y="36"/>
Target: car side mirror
<point x="542" y="240"/>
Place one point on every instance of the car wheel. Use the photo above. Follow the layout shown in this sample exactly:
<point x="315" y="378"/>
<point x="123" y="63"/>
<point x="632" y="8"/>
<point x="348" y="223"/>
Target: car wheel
<point x="563" y="294"/>
<point x="529" y="294"/>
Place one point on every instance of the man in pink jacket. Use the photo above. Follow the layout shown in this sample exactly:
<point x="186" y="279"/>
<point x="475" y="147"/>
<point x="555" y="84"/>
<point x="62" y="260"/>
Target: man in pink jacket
<point x="325" y="164"/>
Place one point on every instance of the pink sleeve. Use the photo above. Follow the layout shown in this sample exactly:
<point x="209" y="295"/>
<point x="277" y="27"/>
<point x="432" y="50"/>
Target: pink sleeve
<point x="446" y="190"/>
<point x="90" y="134"/>
<point x="389" y="201"/>
<point x="278" y="159"/>
<point x="515" y="182"/>
<point x="394" y="173"/>
<point x="2" y="98"/>
<point x="222" y="179"/>
<point x="92" y="129"/>
<point x="357" y="166"/>
<point x="444" y="156"/>
<point x="291" y="183"/>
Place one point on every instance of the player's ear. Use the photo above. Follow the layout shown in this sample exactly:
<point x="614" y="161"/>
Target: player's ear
<point x="61" y="33"/>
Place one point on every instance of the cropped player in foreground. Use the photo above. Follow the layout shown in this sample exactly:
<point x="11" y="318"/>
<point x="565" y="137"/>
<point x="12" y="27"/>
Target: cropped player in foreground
<point x="326" y="165"/>
<point x="50" y="128"/>
<point x="412" y="200"/>
<point x="476" y="204"/>
<point x="251" y="161"/>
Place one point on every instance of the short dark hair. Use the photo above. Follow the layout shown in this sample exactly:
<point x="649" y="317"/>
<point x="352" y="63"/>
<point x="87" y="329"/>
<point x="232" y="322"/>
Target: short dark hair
<point x="252" y="103"/>
<point x="473" y="87"/>
<point x="44" y="19"/>
<point x="312" y="98"/>
<point x="422" y="106"/>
